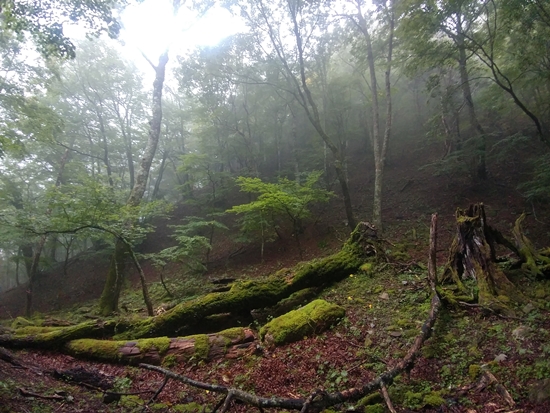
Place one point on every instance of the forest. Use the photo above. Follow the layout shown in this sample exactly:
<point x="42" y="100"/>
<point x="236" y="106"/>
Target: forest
<point x="340" y="206"/>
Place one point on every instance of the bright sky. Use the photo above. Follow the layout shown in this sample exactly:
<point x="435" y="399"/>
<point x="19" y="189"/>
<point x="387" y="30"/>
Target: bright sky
<point x="151" y="27"/>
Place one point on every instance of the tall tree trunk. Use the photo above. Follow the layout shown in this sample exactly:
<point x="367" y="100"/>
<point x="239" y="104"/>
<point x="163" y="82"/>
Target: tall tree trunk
<point x="108" y="302"/>
<point x="380" y="144"/>
<point x="479" y="157"/>
<point x="308" y="103"/>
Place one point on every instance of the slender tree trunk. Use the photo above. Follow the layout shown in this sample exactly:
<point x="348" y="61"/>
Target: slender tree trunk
<point x="108" y="302"/>
<point x="39" y="247"/>
<point x="162" y="167"/>
<point x="479" y="158"/>
<point x="304" y="97"/>
<point x="380" y="144"/>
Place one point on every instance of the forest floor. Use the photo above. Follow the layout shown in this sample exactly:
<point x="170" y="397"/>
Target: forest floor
<point x="384" y="310"/>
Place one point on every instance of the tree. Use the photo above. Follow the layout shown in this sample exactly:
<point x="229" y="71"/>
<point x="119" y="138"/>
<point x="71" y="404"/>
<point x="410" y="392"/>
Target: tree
<point x="505" y="36"/>
<point x="380" y="143"/>
<point x="46" y="27"/>
<point x="115" y="277"/>
<point x="287" y="200"/>
<point x="433" y="33"/>
<point x="289" y="29"/>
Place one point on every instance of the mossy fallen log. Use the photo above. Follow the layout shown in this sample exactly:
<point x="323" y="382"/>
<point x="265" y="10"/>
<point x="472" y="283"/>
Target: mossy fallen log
<point x="299" y="298"/>
<point x="55" y="337"/>
<point x="231" y="343"/>
<point x="245" y="296"/>
<point x="313" y="318"/>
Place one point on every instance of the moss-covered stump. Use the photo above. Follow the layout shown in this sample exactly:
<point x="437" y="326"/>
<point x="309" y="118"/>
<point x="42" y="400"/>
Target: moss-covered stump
<point x="472" y="256"/>
<point x="231" y="343"/>
<point x="245" y="296"/>
<point x="534" y="263"/>
<point x="55" y="337"/>
<point x="314" y="318"/>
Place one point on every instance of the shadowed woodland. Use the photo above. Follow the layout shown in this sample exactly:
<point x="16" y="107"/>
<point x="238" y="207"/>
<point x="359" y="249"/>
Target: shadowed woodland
<point x="341" y="207"/>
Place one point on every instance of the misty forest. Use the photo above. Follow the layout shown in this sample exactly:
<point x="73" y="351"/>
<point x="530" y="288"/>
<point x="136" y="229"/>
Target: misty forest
<point x="311" y="206"/>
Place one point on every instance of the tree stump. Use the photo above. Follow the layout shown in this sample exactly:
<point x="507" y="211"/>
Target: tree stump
<point x="472" y="256"/>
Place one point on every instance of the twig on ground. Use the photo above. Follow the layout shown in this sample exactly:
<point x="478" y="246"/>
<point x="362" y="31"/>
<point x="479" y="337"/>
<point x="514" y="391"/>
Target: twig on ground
<point x="384" y="391"/>
<point x="159" y="390"/>
<point x="26" y="393"/>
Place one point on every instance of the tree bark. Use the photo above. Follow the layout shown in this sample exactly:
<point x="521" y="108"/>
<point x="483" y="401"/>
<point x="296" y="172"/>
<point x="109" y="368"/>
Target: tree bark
<point x="54" y="338"/>
<point x="380" y="144"/>
<point x="232" y="343"/>
<point x="245" y="296"/>
<point x="113" y="285"/>
<point x="472" y="255"/>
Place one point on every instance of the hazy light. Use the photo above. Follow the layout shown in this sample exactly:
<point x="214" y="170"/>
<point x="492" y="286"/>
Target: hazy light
<point x="152" y="27"/>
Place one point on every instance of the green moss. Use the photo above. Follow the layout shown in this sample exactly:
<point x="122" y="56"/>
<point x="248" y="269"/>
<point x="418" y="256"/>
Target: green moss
<point x="375" y="408"/>
<point x="373" y="398"/>
<point x="169" y="361"/>
<point x="233" y="334"/>
<point x="433" y="399"/>
<point x="188" y="408"/>
<point x="130" y="401"/>
<point x="473" y="371"/>
<point x="313" y="318"/>
<point x="540" y="293"/>
<point x="413" y="400"/>
<point x="97" y="349"/>
<point x="202" y="346"/>
<point x="158" y="407"/>
<point x="367" y="267"/>
<point x="21" y="322"/>
<point x="32" y="330"/>
<point x="161" y="344"/>
<point x="431" y="351"/>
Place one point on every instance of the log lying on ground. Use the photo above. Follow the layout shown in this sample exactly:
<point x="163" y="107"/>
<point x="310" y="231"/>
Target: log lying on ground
<point x="313" y="318"/>
<point x="245" y="296"/>
<point x="320" y="399"/>
<point x="53" y="338"/>
<point x="248" y="295"/>
<point x="231" y="343"/>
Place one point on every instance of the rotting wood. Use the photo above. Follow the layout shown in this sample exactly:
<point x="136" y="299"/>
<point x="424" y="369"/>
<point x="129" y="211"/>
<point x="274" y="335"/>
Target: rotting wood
<point x="233" y="343"/>
<point x="245" y="296"/>
<point x="56" y="338"/>
<point x="535" y="263"/>
<point x="472" y="256"/>
<point x="319" y="401"/>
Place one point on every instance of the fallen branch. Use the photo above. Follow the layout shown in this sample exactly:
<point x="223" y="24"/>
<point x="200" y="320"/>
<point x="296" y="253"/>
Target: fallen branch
<point x="321" y="400"/>
<point x="387" y="398"/>
<point x="26" y="393"/>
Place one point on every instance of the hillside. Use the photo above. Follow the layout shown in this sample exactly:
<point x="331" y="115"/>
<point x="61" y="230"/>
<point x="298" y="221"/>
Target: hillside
<point x="384" y="310"/>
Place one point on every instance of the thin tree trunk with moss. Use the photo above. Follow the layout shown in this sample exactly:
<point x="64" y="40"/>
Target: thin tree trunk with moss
<point x="115" y="277"/>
